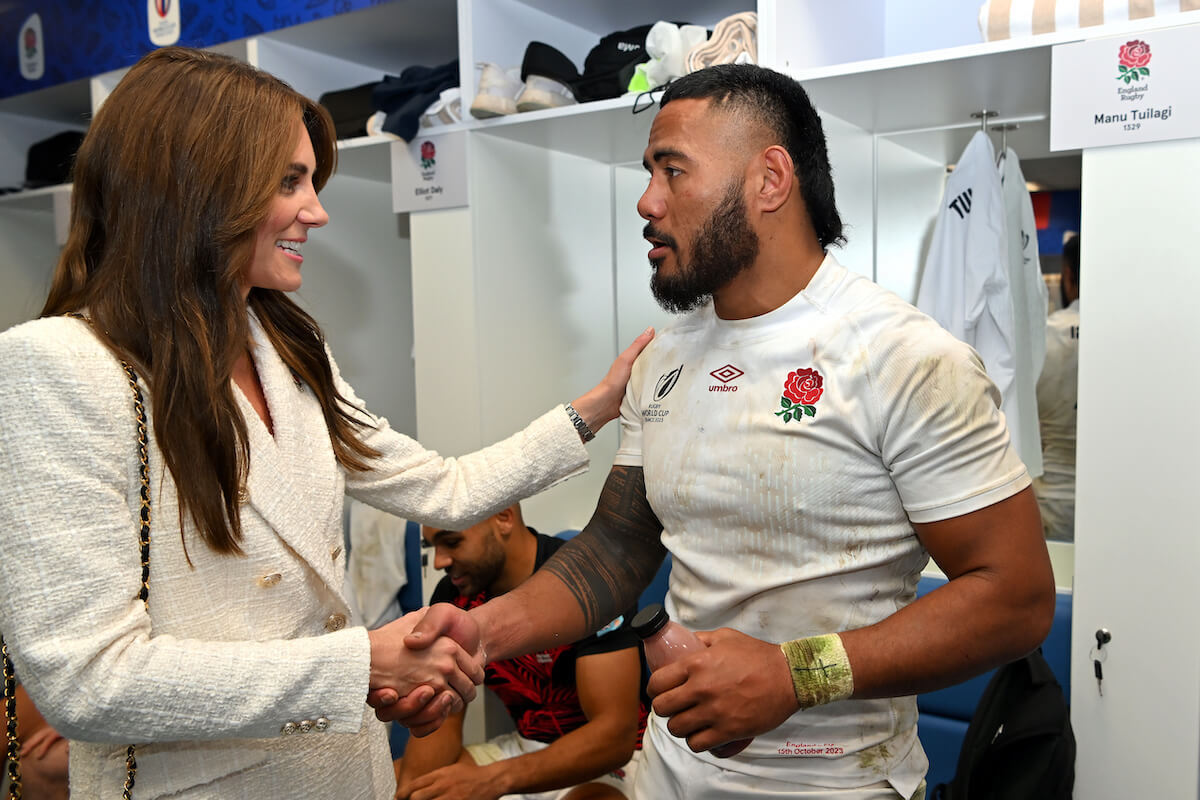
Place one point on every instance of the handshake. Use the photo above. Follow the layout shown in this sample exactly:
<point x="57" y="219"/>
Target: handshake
<point x="425" y="666"/>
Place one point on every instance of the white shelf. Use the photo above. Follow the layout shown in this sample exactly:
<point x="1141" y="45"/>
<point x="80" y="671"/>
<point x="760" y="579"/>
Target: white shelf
<point x="605" y="130"/>
<point x="35" y="199"/>
<point x="68" y="103"/>
<point x="616" y="15"/>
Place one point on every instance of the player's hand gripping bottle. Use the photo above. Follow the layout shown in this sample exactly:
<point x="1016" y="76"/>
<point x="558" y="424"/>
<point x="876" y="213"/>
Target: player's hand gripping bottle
<point x="666" y="641"/>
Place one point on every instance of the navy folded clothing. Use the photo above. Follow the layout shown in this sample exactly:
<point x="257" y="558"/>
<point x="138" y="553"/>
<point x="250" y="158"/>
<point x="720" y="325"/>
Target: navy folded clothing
<point x="405" y="97"/>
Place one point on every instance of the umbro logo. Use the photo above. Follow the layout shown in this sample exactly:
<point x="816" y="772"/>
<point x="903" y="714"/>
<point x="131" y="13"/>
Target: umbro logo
<point x="726" y="375"/>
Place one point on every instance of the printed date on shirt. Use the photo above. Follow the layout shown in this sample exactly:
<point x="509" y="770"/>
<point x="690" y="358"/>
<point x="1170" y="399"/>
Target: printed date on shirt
<point x="791" y="748"/>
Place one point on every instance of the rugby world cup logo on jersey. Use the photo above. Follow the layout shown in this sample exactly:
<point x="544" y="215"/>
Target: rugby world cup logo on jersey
<point x="726" y="375"/>
<point x="666" y="382"/>
<point x="801" y="391"/>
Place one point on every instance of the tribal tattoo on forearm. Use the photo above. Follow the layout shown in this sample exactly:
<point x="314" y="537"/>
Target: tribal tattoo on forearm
<point x="616" y="555"/>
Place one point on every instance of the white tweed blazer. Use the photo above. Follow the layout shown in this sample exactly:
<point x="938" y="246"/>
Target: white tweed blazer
<point x="233" y="647"/>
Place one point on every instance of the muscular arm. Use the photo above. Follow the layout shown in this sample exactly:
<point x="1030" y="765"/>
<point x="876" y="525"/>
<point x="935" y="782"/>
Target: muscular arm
<point x="423" y="755"/>
<point x="608" y="694"/>
<point x="589" y="581"/>
<point x="997" y="606"/>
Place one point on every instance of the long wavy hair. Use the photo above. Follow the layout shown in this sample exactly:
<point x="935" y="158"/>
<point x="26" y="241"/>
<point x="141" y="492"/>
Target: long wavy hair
<point x="177" y="171"/>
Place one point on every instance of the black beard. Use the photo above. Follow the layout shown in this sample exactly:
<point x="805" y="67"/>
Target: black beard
<point x="725" y="246"/>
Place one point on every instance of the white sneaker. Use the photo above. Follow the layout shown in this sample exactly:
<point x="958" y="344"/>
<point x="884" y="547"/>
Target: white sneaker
<point x="542" y="92"/>
<point x="446" y="110"/>
<point x="498" y="92"/>
<point x="734" y="41"/>
<point x="375" y="125"/>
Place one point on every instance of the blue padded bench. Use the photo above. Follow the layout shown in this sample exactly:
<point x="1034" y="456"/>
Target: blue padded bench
<point x="945" y="714"/>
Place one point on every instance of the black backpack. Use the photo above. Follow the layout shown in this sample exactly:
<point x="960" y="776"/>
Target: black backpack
<point x="1019" y="745"/>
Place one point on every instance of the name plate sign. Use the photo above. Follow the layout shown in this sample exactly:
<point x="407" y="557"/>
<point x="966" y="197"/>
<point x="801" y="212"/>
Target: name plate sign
<point x="430" y="172"/>
<point x="1125" y="89"/>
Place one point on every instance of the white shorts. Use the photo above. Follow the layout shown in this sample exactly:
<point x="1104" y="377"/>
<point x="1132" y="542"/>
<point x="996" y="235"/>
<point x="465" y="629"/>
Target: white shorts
<point x="670" y="771"/>
<point x="511" y="745"/>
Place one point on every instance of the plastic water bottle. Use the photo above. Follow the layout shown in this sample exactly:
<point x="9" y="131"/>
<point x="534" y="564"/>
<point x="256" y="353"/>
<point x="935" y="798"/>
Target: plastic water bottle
<point x="666" y="641"/>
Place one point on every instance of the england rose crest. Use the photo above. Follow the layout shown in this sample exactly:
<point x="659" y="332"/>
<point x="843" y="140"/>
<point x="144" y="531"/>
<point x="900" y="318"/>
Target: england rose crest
<point x="1133" y="60"/>
<point x="801" y="391"/>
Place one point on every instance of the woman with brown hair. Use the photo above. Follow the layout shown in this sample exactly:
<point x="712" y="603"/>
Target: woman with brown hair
<point x="237" y="676"/>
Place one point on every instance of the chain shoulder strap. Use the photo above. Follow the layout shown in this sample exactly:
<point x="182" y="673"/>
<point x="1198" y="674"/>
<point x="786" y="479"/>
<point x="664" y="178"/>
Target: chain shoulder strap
<point x="13" y="750"/>
<point x="10" y="680"/>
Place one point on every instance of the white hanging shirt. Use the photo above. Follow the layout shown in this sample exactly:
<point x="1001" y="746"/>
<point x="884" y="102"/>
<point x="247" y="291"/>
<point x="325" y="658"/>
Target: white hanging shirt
<point x="965" y="282"/>
<point x="1029" y="302"/>
<point x="375" y="566"/>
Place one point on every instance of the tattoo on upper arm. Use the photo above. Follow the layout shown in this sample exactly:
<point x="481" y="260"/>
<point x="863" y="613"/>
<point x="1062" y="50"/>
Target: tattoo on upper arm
<point x="616" y="555"/>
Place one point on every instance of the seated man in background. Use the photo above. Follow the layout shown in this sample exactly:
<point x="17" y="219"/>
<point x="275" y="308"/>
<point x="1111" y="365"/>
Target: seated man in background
<point x="1057" y="397"/>
<point x="578" y="708"/>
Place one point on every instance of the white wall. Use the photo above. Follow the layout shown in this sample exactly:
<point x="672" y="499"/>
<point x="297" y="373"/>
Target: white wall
<point x="910" y="191"/>
<point x="636" y="306"/>
<point x="544" y="290"/>
<point x="519" y="316"/>
<point x="358" y="286"/>
<point x="850" y="159"/>
<point x="1136" y="549"/>
<point x="29" y="261"/>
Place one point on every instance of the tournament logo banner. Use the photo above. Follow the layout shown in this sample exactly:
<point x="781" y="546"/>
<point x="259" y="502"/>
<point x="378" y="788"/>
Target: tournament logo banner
<point x="162" y="18"/>
<point x="58" y="41"/>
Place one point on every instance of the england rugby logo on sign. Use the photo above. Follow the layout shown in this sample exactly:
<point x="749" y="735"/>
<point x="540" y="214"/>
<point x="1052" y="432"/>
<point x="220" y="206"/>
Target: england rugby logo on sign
<point x="1133" y="61"/>
<point x="30" y="53"/>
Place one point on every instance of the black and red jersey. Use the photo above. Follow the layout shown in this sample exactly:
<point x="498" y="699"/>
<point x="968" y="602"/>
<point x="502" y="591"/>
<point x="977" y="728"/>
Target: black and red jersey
<point x="538" y="689"/>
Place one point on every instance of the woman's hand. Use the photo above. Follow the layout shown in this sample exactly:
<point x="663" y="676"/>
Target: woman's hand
<point x="603" y="401"/>
<point x="441" y="668"/>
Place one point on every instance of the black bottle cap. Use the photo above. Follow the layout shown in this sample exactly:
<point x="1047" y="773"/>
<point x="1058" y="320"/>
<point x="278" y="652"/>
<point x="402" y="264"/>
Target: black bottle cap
<point x="649" y="620"/>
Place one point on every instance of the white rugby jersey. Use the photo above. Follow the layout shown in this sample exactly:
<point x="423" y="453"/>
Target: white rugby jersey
<point x="1029" y="303"/>
<point x="965" y="283"/>
<point x="785" y="456"/>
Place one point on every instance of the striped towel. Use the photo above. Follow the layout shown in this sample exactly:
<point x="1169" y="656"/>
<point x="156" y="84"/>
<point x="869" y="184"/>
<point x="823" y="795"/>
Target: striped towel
<point x="1009" y="19"/>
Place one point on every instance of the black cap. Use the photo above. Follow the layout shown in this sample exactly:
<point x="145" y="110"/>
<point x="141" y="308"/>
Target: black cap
<point x="650" y="620"/>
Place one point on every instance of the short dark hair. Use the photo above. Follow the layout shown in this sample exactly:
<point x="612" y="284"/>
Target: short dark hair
<point x="782" y="106"/>
<point x="1070" y="257"/>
